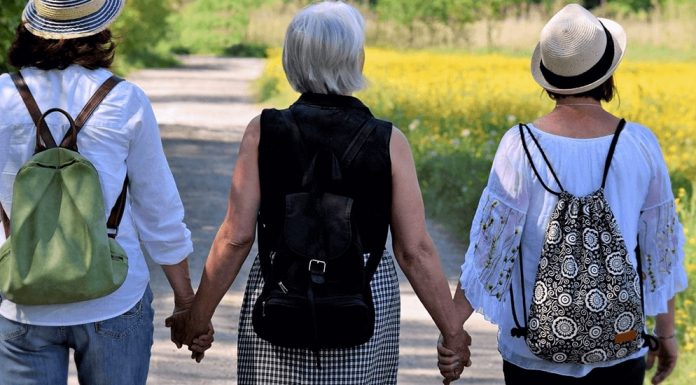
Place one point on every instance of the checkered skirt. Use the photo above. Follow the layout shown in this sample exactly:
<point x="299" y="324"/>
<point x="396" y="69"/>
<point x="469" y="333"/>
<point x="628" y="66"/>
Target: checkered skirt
<point x="373" y="363"/>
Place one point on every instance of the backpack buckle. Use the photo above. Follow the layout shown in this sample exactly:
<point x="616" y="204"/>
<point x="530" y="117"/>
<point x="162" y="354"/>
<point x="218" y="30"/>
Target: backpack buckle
<point x="319" y="264"/>
<point x="112" y="233"/>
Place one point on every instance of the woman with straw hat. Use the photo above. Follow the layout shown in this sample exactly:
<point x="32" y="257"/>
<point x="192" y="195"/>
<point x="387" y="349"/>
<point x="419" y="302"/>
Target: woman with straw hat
<point x="545" y="176"/>
<point x="63" y="49"/>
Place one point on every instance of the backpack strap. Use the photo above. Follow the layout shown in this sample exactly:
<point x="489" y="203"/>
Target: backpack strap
<point x="610" y="155"/>
<point x="42" y="133"/>
<point x="5" y="221"/>
<point x="546" y="160"/>
<point x="519" y="330"/>
<point x="650" y="341"/>
<point x="70" y="139"/>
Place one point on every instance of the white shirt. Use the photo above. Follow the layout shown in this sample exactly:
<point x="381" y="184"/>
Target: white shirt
<point x="514" y="211"/>
<point x="121" y="136"/>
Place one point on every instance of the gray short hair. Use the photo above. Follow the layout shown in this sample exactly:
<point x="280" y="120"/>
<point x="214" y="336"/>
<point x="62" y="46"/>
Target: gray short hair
<point x="323" y="50"/>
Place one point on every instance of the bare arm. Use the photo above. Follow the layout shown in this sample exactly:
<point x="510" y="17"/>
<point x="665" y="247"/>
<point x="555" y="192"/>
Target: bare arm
<point x="235" y="235"/>
<point x="414" y="249"/>
<point x="668" y="351"/>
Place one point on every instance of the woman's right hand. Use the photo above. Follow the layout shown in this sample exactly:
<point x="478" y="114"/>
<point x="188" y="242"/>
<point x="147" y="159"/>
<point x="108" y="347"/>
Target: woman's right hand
<point x="666" y="356"/>
<point x="453" y="356"/>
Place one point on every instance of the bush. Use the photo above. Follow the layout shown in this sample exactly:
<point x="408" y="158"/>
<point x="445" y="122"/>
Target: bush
<point x="246" y="50"/>
<point x="10" y="14"/>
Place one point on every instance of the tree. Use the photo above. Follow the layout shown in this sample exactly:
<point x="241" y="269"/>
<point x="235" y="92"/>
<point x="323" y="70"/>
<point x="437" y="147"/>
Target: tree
<point x="10" y="14"/>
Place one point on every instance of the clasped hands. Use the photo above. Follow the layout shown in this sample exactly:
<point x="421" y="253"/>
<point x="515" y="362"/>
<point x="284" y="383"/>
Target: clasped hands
<point x="186" y="330"/>
<point x="453" y="355"/>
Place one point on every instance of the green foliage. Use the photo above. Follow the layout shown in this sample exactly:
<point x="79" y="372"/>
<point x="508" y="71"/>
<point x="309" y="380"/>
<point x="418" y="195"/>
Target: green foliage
<point x="211" y="26"/>
<point x="246" y="50"/>
<point x="10" y="13"/>
<point x="444" y="11"/>
<point x="141" y="30"/>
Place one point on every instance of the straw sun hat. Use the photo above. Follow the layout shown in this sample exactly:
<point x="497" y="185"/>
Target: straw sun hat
<point x="577" y="51"/>
<point x="69" y="19"/>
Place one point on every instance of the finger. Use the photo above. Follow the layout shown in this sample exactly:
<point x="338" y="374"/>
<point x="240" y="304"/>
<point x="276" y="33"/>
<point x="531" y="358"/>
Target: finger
<point x="449" y="360"/>
<point x="650" y="361"/>
<point x="168" y="322"/>
<point x="198" y="348"/>
<point x="443" y="351"/>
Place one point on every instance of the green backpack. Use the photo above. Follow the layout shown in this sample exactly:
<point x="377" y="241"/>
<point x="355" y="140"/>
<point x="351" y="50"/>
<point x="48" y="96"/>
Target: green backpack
<point x="58" y="248"/>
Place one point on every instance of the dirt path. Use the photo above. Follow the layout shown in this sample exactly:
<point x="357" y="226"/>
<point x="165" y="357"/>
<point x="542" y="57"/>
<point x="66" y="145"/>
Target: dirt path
<point x="203" y="109"/>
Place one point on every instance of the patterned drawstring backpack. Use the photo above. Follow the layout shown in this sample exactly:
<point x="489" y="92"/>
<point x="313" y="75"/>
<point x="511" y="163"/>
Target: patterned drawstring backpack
<point x="587" y="304"/>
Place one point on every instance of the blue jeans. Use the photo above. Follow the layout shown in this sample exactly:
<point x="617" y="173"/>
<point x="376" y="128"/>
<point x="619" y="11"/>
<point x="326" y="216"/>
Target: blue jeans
<point x="111" y="352"/>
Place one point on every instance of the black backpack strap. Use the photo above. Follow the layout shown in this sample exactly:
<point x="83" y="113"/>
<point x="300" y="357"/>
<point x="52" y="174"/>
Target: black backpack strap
<point x="546" y="159"/>
<point x="610" y="155"/>
<point x="44" y="139"/>
<point x="650" y="341"/>
<point x="117" y="211"/>
<point x="519" y="330"/>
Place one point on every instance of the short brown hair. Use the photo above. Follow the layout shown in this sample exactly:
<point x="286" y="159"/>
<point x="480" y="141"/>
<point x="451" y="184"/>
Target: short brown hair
<point x="92" y="52"/>
<point x="604" y="92"/>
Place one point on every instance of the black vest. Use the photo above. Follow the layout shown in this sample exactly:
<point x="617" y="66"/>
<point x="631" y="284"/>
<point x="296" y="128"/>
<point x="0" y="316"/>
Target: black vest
<point x="326" y="122"/>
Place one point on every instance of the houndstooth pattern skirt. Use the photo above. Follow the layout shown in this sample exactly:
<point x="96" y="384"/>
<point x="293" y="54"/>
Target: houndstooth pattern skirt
<point x="373" y="363"/>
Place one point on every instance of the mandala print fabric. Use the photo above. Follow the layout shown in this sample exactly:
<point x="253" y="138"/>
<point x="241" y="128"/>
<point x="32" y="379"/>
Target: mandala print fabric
<point x="586" y="305"/>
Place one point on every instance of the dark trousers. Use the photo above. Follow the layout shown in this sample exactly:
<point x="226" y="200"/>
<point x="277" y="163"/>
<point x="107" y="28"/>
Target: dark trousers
<point x="629" y="372"/>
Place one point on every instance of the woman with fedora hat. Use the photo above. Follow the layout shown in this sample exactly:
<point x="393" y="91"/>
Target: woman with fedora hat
<point x="573" y="162"/>
<point x="63" y="49"/>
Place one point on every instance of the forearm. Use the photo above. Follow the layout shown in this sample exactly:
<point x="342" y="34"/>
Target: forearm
<point x="180" y="281"/>
<point x="221" y="269"/>
<point x="462" y="306"/>
<point x="423" y="270"/>
<point x="664" y="323"/>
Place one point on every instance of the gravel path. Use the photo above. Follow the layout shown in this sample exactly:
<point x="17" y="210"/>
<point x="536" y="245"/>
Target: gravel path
<point x="203" y="109"/>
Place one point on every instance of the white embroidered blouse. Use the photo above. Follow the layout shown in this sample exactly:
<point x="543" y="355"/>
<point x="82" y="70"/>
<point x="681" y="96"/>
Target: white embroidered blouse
<point x="513" y="214"/>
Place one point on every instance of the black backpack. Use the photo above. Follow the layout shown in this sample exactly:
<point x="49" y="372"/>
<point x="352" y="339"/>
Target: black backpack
<point x="316" y="292"/>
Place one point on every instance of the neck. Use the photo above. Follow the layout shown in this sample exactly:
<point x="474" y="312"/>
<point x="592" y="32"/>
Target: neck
<point x="578" y="102"/>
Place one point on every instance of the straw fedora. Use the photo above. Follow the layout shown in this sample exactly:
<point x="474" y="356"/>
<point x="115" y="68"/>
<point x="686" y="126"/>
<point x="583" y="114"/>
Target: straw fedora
<point x="577" y="51"/>
<point x="69" y="19"/>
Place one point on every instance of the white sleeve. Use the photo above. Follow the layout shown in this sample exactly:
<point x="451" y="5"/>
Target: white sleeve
<point x="156" y="206"/>
<point x="496" y="233"/>
<point x="660" y="238"/>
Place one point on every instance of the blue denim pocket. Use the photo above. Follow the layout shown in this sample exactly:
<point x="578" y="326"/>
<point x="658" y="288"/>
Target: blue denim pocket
<point x="10" y="329"/>
<point x="121" y="326"/>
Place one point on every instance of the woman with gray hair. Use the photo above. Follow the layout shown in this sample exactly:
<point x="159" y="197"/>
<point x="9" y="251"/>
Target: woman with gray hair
<point x="323" y="59"/>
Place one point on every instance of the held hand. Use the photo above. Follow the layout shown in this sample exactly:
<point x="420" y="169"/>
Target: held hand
<point x="177" y="322"/>
<point x="454" y="356"/>
<point x="202" y="343"/>
<point x="666" y="356"/>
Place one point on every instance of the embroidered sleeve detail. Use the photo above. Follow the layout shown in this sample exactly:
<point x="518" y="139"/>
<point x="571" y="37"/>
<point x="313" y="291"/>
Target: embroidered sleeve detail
<point x="493" y="250"/>
<point x="661" y="242"/>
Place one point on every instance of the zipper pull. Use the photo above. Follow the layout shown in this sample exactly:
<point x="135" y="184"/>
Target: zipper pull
<point x="282" y="287"/>
<point x="263" y="308"/>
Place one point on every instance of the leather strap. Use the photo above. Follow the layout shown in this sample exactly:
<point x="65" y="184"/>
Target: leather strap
<point x="5" y="221"/>
<point x="117" y="211"/>
<point x="71" y="142"/>
<point x="43" y="134"/>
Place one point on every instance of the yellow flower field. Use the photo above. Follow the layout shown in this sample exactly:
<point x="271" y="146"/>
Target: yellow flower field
<point x="460" y="100"/>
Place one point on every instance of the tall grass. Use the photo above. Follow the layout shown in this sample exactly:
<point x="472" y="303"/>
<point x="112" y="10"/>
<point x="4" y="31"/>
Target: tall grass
<point x="668" y="31"/>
